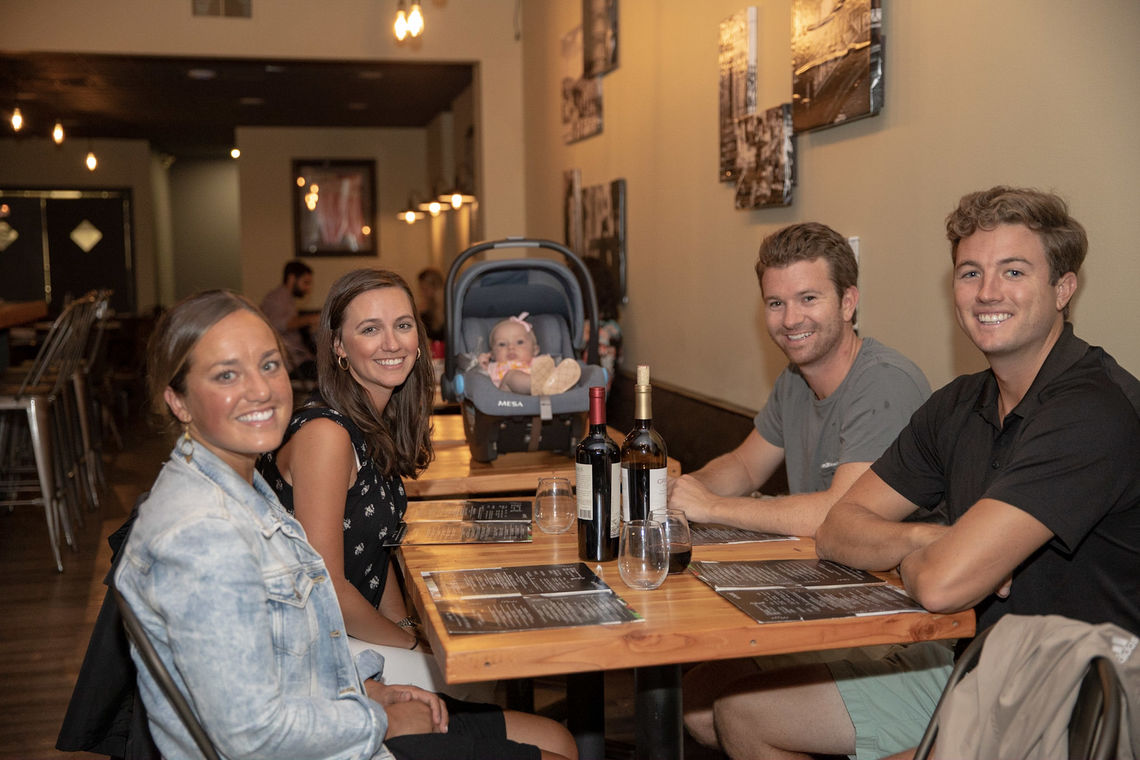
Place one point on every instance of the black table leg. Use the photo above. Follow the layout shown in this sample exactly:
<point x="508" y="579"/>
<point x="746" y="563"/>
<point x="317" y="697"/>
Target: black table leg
<point x="586" y="713"/>
<point x="659" y="730"/>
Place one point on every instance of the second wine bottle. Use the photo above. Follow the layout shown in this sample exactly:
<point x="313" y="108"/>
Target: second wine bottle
<point x="644" y="459"/>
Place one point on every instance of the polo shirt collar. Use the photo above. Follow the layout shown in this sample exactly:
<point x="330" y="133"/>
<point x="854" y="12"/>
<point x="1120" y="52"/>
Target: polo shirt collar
<point x="1067" y="351"/>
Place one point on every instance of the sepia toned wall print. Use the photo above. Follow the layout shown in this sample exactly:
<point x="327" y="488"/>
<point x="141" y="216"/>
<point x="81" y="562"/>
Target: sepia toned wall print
<point x="837" y="61"/>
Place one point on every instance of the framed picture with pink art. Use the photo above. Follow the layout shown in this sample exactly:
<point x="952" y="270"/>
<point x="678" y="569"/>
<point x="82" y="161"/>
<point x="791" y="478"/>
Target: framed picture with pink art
<point x="334" y="207"/>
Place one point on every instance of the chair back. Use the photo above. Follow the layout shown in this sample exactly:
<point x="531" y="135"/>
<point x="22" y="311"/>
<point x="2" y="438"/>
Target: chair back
<point x="63" y="347"/>
<point x="161" y="676"/>
<point x="1098" y="706"/>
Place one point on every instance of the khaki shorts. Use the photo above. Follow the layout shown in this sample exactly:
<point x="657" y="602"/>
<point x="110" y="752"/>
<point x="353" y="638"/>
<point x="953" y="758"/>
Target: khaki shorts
<point x="890" y="700"/>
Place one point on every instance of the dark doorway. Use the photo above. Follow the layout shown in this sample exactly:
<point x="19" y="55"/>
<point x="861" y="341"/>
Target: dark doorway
<point x="62" y="243"/>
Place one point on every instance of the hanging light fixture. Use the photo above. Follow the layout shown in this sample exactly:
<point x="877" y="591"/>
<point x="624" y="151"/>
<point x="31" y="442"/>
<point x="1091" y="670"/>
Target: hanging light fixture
<point x="91" y="161"/>
<point x="411" y="214"/>
<point x="400" y="28"/>
<point x="456" y="196"/>
<point x="408" y="23"/>
<point x="415" y="20"/>
<point x="432" y="207"/>
<point x="17" y="119"/>
<point x="57" y="132"/>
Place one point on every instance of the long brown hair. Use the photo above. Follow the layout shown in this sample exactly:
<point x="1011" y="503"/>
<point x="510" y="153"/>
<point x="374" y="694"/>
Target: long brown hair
<point x="399" y="438"/>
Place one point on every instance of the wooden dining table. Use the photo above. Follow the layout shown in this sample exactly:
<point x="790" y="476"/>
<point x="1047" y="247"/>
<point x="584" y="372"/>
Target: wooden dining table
<point x="684" y="622"/>
<point x="453" y="472"/>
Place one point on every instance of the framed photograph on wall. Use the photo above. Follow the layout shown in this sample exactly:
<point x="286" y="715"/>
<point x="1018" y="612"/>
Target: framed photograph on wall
<point x="837" y="62"/>
<point x="736" y="60"/>
<point x="766" y="155"/>
<point x="581" y="95"/>
<point x="334" y="207"/>
<point x="603" y="223"/>
<point x="600" y="32"/>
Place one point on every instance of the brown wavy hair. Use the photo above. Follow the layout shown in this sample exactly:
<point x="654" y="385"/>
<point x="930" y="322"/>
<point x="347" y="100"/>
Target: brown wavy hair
<point x="176" y="334"/>
<point x="1063" y="238"/>
<point x="399" y="437"/>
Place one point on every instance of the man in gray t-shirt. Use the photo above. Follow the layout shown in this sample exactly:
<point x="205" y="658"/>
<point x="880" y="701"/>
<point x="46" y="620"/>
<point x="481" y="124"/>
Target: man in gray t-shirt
<point x="832" y="412"/>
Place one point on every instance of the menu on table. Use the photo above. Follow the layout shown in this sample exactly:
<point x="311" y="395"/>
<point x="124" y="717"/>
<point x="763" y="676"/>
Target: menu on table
<point x="782" y="590"/>
<point x="461" y="521"/>
<point x="526" y="598"/>
<point x="707" y="534"/>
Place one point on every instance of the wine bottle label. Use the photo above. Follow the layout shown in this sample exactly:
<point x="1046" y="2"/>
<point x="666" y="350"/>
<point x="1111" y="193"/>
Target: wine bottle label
<point x="658" y="492"/>
<point x="585" y="488"/>
<point x="615" y="499"/>
<point x="644" y="493"/>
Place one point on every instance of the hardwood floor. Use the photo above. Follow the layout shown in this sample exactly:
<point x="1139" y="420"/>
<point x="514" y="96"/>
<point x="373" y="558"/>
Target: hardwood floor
<point x="47" y="615"/>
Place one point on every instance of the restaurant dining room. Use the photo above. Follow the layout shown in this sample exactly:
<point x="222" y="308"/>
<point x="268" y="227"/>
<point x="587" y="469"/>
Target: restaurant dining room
<point x="519" y="264"/>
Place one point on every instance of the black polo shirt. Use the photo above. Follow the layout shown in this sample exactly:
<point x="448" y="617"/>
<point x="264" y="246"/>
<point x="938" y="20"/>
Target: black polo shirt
<point x="1068" y="454"/>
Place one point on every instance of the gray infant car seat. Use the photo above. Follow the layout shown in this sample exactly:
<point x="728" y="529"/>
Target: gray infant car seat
<point x="497" y="421"/>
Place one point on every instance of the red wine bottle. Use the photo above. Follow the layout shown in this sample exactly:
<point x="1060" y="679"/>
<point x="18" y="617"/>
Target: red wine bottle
<point x="644" y="459"/>
<point x="596" y="469"/>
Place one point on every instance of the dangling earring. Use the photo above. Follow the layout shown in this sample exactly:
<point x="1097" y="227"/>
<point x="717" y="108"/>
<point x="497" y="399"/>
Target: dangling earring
<point x="342" y="362"/>
<point x="186" y="443"/>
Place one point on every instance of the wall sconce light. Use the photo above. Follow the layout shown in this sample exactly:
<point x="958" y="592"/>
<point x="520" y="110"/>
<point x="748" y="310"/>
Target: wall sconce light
<point x="17" y="119"/>
<point x="408" y="23"/>
<point x="57" y="132"/>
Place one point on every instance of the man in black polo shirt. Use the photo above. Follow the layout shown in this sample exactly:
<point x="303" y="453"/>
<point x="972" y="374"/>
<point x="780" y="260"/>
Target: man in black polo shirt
<point x="1036" y="461"/>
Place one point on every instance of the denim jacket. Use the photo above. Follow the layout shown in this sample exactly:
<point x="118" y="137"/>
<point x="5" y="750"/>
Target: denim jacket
<point x="241" y="611"/>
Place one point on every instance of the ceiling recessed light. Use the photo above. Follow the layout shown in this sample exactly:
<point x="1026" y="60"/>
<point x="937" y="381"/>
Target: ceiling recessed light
<point x="252" y="100"/>
<point x="357" y="106"/>
<point x="201" y="74"/>
<point x="272" y="68"/>
<point x="371" y="74"/>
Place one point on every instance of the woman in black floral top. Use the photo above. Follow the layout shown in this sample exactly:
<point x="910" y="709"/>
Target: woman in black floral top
<point x="345" y="452"/>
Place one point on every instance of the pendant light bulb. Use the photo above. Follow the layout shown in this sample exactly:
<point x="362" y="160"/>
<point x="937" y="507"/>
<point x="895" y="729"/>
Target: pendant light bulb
<point x="400" y="28"/>
<point x="57" y="132"/>
<point x="17" y="120"/>
<point x="415" y="20"/>
<point x="91" y="161"/>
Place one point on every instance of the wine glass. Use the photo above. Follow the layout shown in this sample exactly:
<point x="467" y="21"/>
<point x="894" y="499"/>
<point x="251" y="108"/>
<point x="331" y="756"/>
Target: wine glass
<point x="678" y="539"/>
<point x="555" y="510"/>
<point x="643" y="557"/>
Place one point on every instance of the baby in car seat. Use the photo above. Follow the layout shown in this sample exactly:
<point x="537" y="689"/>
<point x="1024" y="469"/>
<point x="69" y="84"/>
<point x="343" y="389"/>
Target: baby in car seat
<point x="515" y="365"/>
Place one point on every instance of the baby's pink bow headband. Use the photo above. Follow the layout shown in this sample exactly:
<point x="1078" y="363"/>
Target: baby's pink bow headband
<point x="521" y="319"/>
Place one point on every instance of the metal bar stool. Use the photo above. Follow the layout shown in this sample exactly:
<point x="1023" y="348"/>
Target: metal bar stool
<point x="40" y="399"/>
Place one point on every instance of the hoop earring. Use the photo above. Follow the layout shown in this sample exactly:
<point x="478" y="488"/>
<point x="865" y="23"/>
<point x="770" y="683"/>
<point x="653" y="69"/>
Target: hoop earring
<point x="417" y="353"/>
<point x="186" y="444"/>
<point x="342" y="362"/>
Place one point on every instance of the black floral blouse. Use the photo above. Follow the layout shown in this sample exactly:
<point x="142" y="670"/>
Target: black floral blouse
<point x="373" y="507"/>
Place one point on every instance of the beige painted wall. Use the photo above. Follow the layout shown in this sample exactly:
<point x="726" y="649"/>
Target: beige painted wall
<point x="1043" y="93"/>
<point x="265" y="196"/>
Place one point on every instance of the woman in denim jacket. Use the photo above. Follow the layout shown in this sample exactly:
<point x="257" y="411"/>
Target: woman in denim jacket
<point x="237" y="603"/>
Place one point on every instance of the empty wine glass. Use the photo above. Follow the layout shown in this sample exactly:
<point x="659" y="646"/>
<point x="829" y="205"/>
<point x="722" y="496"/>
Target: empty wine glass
<point x="678" y="539"/>
<point x="555" y="510"/>
<point x="643" y="557"/>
